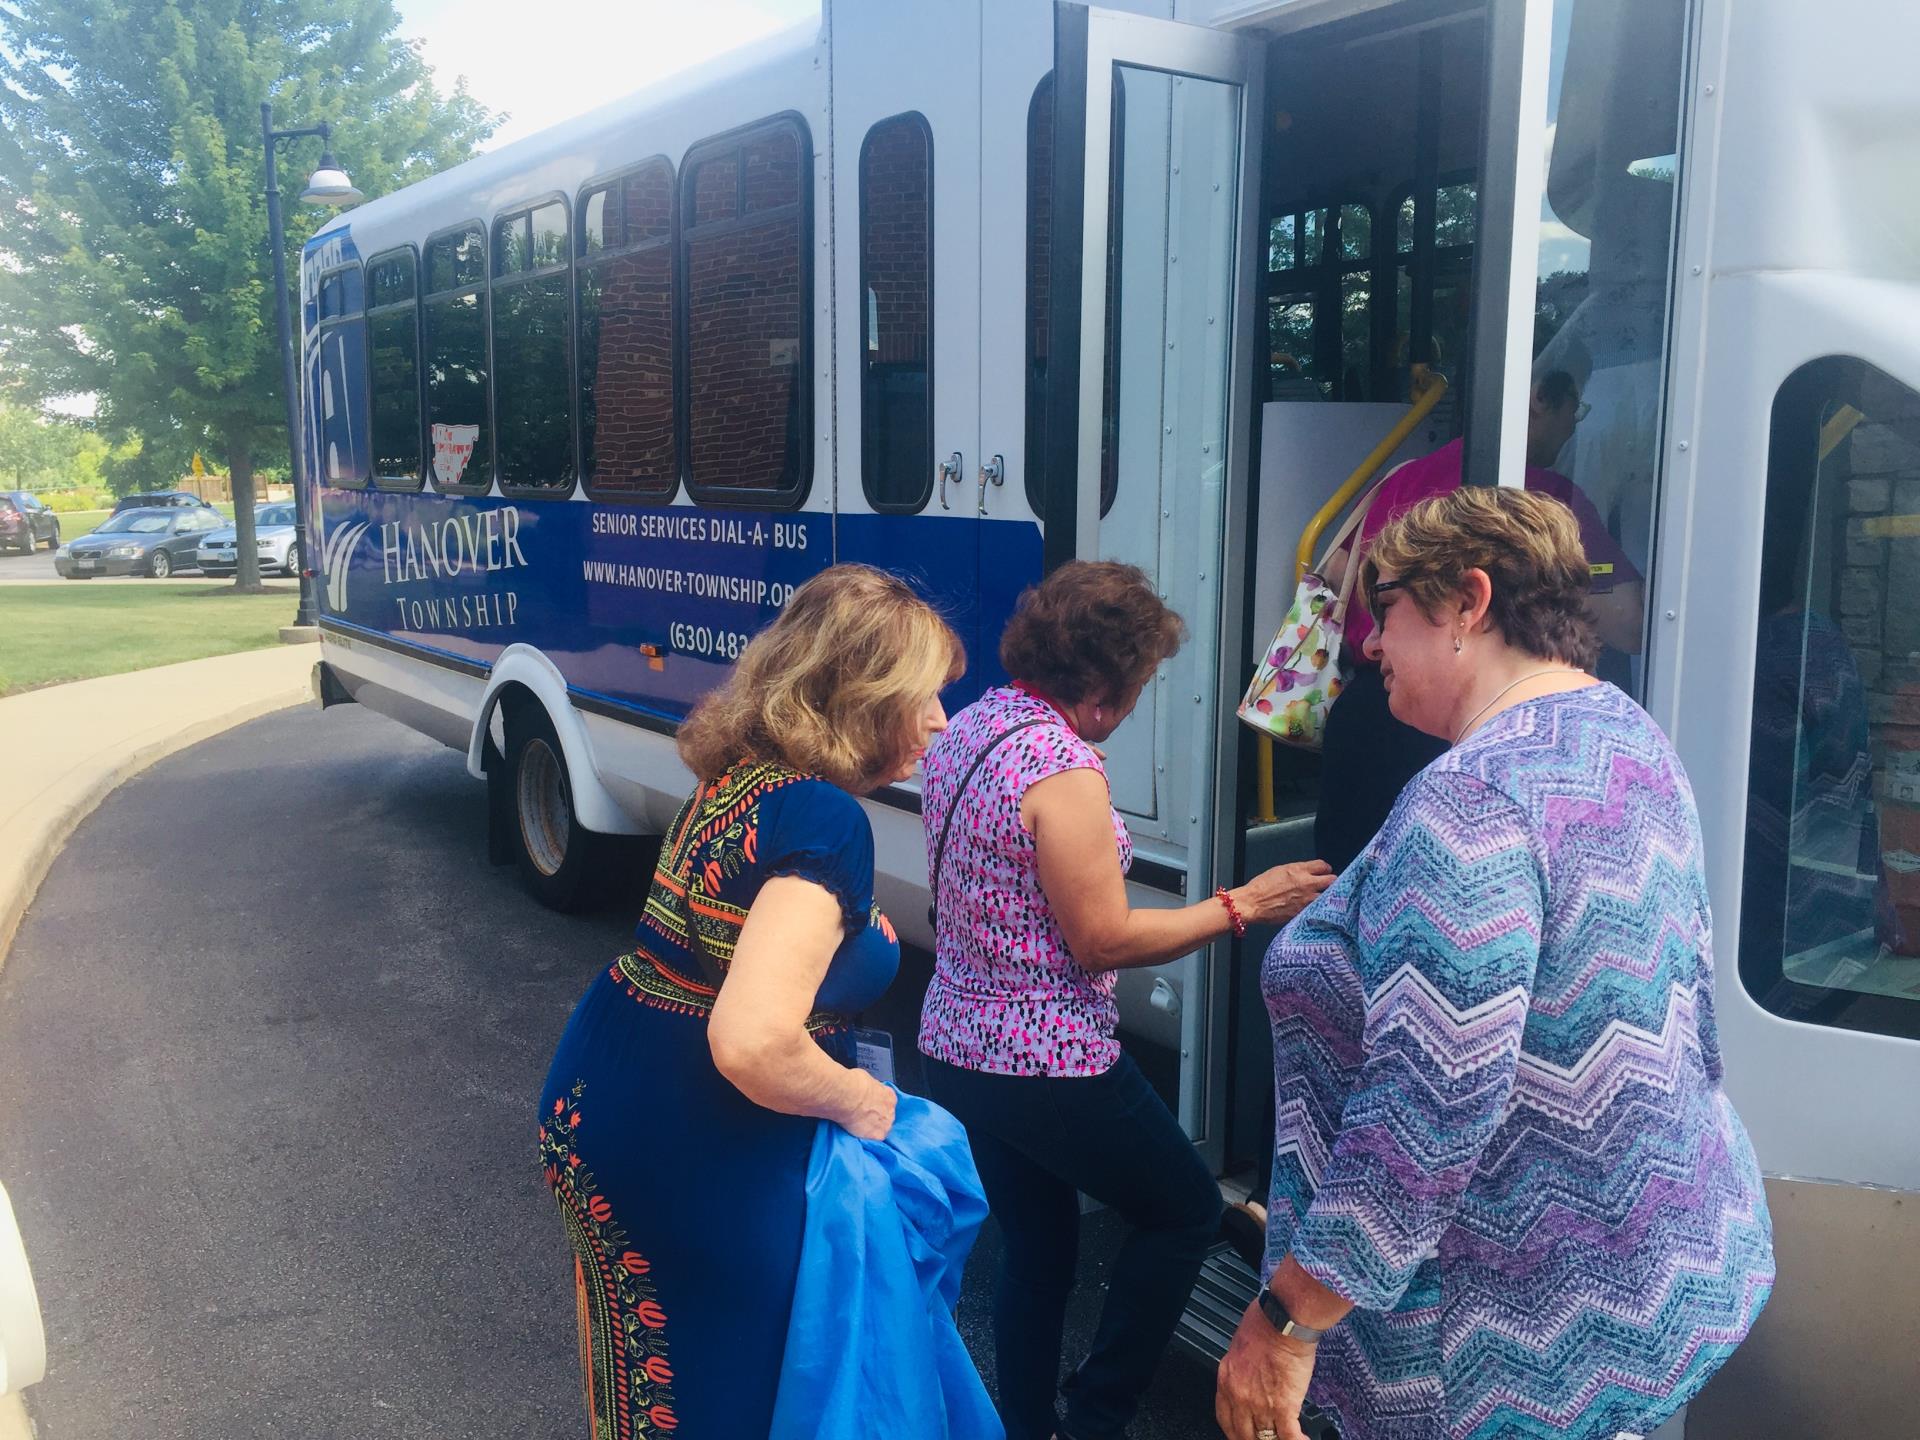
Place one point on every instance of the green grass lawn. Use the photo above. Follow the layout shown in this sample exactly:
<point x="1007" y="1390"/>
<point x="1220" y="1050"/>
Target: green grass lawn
<point x="52" y="633"/>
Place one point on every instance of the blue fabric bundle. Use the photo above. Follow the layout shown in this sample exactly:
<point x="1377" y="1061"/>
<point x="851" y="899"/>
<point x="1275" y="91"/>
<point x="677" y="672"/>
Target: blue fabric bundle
<point x="872" y="1348"/>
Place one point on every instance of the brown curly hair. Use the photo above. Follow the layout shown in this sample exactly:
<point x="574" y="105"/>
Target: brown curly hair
<point x="1093" y="628"/>
<point x="1528" y="544"/>
<point x="830" y="688"/>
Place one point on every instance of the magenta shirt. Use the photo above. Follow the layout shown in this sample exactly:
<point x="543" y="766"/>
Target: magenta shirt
<point x="1438" y="473"/>
<point x="1007" y="995"/>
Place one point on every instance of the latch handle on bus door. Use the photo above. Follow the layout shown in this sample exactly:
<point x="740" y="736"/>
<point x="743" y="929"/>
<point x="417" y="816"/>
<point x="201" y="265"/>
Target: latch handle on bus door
<point x="996" y="471"/>
<point x="949" y="470"/>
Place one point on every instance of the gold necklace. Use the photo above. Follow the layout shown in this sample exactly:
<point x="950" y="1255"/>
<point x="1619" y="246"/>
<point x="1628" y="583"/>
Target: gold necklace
<point x="1535" y="675"/>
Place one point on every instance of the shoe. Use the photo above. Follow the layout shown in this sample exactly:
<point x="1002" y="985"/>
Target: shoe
<point x="1244" y="1227"/>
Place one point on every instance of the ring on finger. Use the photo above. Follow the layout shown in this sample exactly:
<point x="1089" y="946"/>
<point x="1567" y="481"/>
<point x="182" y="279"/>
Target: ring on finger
<point x="1266" y="1434"/>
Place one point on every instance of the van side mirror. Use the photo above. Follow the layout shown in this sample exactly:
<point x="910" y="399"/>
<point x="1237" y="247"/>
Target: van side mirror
<point x="23" y="1339"/>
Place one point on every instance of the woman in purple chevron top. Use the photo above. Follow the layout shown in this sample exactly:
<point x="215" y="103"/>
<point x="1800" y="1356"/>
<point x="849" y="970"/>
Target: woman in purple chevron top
<point x="1510" y="1197"/>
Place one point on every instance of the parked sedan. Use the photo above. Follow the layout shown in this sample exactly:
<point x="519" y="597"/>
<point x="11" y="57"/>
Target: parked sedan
<point x="138" y="542"/>
<point x="273" y="536"/>
<point x="25" y="522"/>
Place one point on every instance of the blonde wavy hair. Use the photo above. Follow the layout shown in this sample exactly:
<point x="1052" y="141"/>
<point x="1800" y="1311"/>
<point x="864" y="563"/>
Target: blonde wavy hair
<point x="831" y="686"/>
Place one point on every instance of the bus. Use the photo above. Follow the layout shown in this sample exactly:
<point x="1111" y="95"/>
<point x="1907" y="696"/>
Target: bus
<point x="969" y="289"/>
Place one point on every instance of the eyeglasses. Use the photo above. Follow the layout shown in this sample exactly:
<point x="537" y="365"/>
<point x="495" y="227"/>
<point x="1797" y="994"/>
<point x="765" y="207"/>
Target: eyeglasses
<point x="1379" y="588"/>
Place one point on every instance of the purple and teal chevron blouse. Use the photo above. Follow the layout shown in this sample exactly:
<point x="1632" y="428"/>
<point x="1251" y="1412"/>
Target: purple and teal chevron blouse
<point x="1500" y="1129"/>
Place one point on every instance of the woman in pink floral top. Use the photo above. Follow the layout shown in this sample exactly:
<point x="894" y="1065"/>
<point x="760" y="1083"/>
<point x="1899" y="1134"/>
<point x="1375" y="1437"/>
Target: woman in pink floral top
<point x="1018" y="1027"/>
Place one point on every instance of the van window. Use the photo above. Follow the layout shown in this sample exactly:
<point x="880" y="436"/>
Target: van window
<point x="1605" y="248"/>
<point x="624" y="289"/>
<point x="1039" y="257"/>
<point x="339" y="378"/>
<point x="454" y="339"/>
<point x="533" y="352"/>
<point x="896" y="331"/>
<point x="1320" y="263"/>
<point x="1830" y="905"/>
<point x="747" y="353"/>
<point x="393" y="364"/>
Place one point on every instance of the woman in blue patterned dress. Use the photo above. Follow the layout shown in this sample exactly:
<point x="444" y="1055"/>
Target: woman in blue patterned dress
<point x="684" y="1099"/>
<point x="1508" y="1186"/>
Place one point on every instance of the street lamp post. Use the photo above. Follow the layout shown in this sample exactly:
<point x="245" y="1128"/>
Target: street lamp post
<point x="328" y="186"/>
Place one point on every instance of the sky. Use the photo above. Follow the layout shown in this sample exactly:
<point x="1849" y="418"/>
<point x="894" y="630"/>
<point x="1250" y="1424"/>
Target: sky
<point x="597" y="51"/>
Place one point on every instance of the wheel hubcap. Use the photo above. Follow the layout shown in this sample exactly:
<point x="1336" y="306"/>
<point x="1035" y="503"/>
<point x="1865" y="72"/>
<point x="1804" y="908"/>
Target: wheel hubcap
<point x="546" y="819"/>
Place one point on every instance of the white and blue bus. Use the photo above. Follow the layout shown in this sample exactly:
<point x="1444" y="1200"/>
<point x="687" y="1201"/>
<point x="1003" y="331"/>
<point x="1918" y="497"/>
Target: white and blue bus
<point x="969" y="288"/>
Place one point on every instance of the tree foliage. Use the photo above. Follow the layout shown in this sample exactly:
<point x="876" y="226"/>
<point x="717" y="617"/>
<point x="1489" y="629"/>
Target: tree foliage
<point x="132" y="197"/>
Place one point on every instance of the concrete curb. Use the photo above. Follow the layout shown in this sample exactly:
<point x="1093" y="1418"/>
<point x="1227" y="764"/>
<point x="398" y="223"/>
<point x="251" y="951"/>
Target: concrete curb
<point x="59" y="827"/>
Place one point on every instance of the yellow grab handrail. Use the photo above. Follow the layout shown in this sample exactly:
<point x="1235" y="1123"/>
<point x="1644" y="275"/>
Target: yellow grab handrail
<point x="1428" y="387"/>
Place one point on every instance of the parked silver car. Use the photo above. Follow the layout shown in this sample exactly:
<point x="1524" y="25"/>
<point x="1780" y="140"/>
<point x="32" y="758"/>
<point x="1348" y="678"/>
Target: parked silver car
<point x="273" y="535"/>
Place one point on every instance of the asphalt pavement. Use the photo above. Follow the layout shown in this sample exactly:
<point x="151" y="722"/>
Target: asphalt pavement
<point x="273" y="1029"/>
<point x="17" y="568"/>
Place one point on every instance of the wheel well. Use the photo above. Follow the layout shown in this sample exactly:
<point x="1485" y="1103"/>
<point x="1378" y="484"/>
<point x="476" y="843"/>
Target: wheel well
<point x="510" y="711"/>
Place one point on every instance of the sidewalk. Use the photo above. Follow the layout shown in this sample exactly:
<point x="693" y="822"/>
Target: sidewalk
<point x="69" y="745"/>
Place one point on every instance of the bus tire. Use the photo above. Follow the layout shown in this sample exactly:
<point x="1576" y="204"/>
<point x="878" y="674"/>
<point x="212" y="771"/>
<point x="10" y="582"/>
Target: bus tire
<point x="553" y="851"/>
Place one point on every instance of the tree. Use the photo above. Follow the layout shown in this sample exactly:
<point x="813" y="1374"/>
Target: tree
<point x="131" y="196"/>
<point x="32" y="447"/>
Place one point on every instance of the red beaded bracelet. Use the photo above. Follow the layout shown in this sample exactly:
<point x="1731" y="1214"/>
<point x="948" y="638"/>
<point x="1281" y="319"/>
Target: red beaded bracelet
<point x="1233" y="913"/>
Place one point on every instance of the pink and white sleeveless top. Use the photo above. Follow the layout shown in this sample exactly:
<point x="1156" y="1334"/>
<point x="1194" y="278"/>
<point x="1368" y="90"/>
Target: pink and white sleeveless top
<point x="1007" y="995"/>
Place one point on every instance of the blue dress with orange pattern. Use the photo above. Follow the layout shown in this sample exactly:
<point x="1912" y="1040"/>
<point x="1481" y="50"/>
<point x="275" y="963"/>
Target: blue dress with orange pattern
<point x="682" y="1198"/>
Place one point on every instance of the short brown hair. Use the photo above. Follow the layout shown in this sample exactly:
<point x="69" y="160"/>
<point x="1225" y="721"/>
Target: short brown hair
<point x="1529" y="545"/>
<point x="830" y="687"/>
<point x="1093" y="628"/>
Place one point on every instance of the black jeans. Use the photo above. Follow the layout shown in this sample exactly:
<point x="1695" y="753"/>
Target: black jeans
<point x="1366" y="759"/>
<point x="1039" y="1140"/>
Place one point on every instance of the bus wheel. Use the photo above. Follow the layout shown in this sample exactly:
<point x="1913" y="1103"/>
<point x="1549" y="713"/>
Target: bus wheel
<point x="553" y="850"/>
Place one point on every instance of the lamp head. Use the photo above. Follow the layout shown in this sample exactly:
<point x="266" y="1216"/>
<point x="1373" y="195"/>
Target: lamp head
<point x="330" y="186"/>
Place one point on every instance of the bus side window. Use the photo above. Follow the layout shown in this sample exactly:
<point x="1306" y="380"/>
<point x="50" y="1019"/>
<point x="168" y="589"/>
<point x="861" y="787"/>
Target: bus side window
<point x="339" y="379"/>
<point x="747" y="342"/>
<point x="1830" y="904"/>
<point x="454" y="326"/>
<point x="532" y="352"/>
<point x="625" y="340"/>
<point x="393" y="364"/>
<point x="1039" y="257"/>
<point x="896" y="329"/>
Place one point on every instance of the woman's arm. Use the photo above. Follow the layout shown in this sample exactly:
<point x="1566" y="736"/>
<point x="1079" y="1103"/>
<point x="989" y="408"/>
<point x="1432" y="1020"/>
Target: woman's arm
<point x="1071" y="819"/>
<point x="1263" y="1379"/>
<point x="1446" y="1012"/>
<point x="758" y="1029"/>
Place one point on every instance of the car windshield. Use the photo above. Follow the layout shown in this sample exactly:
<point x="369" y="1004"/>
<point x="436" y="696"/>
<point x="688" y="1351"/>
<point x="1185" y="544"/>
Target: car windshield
<point x="134" y="522"/>
<point x="273" y="515"/>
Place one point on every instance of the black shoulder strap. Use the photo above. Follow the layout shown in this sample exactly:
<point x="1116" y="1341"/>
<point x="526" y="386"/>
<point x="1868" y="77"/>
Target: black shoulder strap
<point x="940" y="850"/>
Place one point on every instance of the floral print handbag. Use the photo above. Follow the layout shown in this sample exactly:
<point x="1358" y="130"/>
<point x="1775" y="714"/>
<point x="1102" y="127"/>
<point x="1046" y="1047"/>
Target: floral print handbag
<point x="1299" y="677"/>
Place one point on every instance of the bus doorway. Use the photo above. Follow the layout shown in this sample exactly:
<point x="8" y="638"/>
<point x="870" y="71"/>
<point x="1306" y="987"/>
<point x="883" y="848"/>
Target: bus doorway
<point x="1269" y="238"/>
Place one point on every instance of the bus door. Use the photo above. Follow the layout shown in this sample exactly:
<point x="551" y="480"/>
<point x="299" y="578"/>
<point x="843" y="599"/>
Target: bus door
<point x="911" y="494"/>
<point x="1148" y="428"/>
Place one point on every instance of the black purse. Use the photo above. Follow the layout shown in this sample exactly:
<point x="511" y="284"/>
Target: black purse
<point x="940" y="850"/>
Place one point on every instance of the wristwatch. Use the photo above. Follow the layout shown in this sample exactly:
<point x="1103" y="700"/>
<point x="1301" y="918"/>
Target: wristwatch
<point x="1277" y="1316"/>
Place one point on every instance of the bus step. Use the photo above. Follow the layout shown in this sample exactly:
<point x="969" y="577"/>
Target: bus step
<point x="1220" y="1297"/>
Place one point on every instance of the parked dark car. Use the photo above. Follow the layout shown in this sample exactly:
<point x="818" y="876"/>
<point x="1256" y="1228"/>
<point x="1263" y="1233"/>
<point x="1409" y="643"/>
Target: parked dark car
<point x="138" y="542"/>
<point x="25" y="522"/>
<point x="161" y="500"/>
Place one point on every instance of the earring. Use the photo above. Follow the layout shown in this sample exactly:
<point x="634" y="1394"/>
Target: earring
<point x="1096" y="714"/>
<point x="1458" y="641"/>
